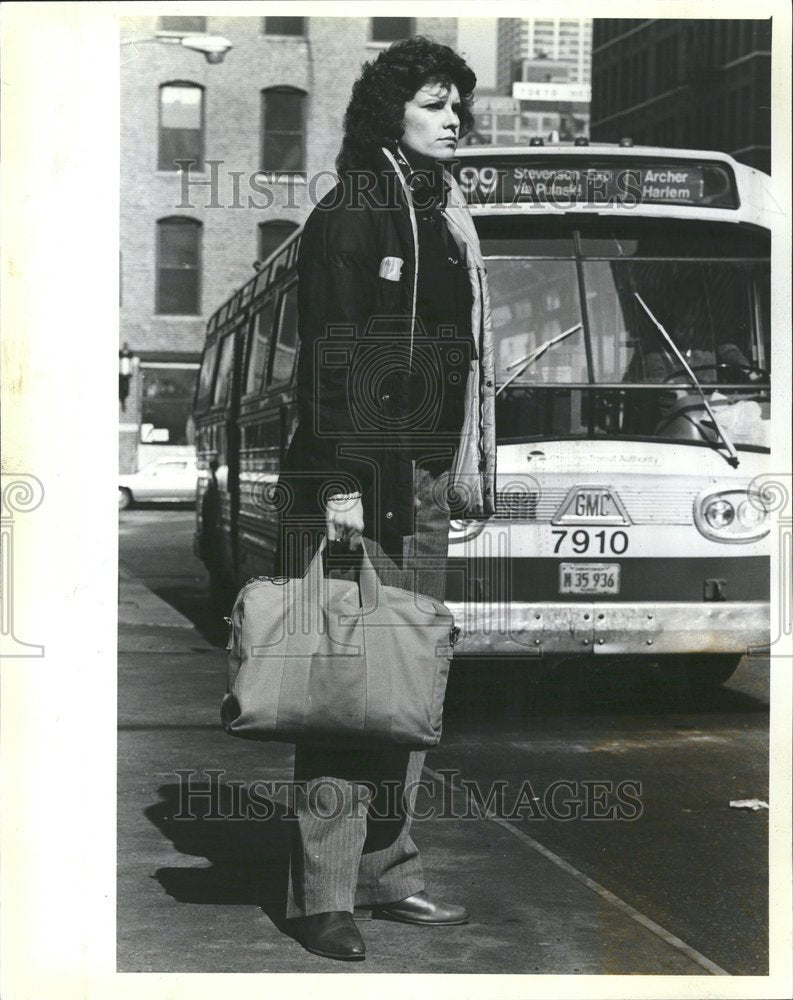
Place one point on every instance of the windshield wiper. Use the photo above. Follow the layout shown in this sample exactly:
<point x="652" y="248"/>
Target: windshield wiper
<point x="733" y="459"/>
<point x="535" y="355"/>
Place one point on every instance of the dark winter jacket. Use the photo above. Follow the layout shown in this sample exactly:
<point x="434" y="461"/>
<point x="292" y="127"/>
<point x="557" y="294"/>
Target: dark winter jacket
<point x="358" y="337"/>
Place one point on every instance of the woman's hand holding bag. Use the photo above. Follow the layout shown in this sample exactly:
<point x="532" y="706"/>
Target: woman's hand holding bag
<point x="344" y="520"/>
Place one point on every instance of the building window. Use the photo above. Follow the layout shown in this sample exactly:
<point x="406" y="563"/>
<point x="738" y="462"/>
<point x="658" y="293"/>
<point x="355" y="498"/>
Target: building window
<point x="167" y="403"/>
<point x="747" y="118"/>
<point x="182" y="25"/>
<point x="272" y="235"/>
<point x="732" y="138"/>
<point x="667" y="62"/>
<point x="284" y="26"/>
<point x="719" y="43"/>
<point x="734" y="40"/>
<point x="642" y="76"/>
<point x="181" y="125"/>
<point x="391" y="29"/>
<point x="178" y="267"/>
<point x="746" y="36"/>
<point x="666" y="132"/>
<point x="283" y="130"/>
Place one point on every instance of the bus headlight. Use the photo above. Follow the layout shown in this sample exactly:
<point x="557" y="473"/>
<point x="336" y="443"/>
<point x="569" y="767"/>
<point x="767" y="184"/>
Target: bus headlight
<point x="731" y="515"/>
<point x="751" y="514"/>
<point x="719" y="513"/>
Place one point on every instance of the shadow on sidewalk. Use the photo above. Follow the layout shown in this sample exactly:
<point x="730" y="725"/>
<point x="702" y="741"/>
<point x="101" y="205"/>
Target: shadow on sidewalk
<point x="246" y="842"/>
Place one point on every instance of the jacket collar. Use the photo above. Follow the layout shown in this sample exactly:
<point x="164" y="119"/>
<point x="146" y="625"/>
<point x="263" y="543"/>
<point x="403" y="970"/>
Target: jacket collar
<point x="428" y="188"/>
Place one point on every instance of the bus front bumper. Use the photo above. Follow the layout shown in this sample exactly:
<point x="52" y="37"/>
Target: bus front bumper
<point x="537" y="630"/>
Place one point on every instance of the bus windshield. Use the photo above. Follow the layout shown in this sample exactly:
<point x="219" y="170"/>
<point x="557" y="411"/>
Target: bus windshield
<point x="605" y="333"/>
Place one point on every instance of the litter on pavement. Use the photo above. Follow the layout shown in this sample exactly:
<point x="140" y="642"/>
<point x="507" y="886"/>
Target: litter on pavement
<point x="753" y="804"/>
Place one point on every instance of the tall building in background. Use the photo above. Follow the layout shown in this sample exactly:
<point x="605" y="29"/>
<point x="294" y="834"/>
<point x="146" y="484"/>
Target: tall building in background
<point x="566" y="41"/>
<point x="696" y="84"/>
<point x="262" y="129"/>
<point x="542" y="82"/>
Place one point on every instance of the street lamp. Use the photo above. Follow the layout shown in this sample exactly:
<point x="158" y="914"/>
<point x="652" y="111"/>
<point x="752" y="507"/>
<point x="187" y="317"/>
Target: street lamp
<point x="128" y="363"/>
<point x="214" y="47"/>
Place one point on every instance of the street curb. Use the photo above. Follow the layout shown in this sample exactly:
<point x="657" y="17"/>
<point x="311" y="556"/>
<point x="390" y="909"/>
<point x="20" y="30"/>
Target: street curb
<point x="138" y="605"/>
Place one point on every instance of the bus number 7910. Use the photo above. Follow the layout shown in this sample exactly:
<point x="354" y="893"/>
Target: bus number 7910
<point x="615" y="542"/>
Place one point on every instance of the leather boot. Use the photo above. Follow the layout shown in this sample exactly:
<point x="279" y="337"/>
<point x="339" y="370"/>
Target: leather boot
<point x="420" y="909"/>
<point x="333" y="935"/>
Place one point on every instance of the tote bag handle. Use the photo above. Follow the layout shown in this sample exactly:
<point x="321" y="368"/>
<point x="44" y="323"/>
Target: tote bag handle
<point x="368" y="580"/>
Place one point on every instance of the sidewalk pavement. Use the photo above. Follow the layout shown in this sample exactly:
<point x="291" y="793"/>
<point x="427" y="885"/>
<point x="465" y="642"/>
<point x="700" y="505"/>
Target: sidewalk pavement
<point x="207" y="894"/>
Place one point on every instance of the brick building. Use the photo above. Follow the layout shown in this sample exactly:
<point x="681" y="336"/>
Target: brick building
<point x="263" y="128"/>
<point x="696" y="84"/>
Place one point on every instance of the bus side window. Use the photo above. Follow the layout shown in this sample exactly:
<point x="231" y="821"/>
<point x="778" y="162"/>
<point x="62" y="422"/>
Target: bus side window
<point x="285" y="352"/>
<point x="204" y="392"/>
<point x="223" y="379"/>
<point x="258" y="344"/>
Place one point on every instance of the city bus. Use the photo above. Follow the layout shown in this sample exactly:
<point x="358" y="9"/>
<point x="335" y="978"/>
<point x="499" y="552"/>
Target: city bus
<point x="630" y="300"/>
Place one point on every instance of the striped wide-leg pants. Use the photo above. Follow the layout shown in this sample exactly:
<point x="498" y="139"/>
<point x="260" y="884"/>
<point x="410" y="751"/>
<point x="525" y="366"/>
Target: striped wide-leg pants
<point x="352" y="844"/>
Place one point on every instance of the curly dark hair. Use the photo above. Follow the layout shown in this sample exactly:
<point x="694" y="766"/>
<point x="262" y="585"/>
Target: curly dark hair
<point x="376" y="110"/>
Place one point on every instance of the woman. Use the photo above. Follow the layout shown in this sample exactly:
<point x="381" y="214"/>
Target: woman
<point x="395" y="419"/>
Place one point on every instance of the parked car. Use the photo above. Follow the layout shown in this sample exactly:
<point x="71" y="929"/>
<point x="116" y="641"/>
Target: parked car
<point x="171" y="478"/>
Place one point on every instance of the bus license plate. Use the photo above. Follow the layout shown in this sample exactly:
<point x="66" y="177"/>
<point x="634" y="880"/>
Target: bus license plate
<point x="589" y="578"/>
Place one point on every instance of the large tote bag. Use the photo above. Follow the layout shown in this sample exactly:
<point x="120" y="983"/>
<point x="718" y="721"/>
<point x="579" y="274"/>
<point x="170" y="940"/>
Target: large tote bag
<point x="318" y="660"/>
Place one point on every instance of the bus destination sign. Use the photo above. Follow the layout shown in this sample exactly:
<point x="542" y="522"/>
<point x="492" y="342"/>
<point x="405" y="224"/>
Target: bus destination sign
<point x="560" y="185"/>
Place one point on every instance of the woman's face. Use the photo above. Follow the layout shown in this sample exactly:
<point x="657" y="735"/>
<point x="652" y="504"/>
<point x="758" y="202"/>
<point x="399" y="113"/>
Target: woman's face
<point x="432" y="123"/>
